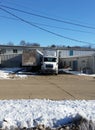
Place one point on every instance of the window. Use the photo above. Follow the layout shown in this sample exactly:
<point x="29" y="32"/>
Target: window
<point x="71" y="53"/>
<point x="14" y="50"/>
<point x="2" y="51"/>
<point x="49" y="59"/>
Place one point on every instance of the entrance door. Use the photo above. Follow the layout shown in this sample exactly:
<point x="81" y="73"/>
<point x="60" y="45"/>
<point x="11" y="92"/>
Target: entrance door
<point x="75" y="65"/>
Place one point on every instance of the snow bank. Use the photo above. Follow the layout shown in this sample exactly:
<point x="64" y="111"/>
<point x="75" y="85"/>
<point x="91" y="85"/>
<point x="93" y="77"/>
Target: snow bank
<point x="3" y="74"/>
<point x="7" y="73"/>
<point x="30" y="113"/>
<point x="68" y="71"/>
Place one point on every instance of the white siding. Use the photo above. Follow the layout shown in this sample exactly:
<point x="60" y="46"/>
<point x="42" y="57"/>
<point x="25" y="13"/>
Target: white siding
<point x="66" y="53"/>
<point x="82" y="53"/>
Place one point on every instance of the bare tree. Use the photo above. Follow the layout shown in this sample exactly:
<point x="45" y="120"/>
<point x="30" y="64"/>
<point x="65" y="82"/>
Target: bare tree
<point x="53" y="45"/>
<point x="36" y="44"/>
<point x="10" y="43"/>
<point x="23" y="43"/>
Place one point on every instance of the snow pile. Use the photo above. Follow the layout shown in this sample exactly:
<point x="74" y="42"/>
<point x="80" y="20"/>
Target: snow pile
<point x="3" y="74"/>
<point x="30" y="113"/>
<point x="12" y="73"/>
<point x="8" y="73"/>
<point x="69" y="71"/>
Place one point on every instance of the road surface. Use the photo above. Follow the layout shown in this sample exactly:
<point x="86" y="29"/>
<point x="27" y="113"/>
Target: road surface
<point x="49" y="87"/>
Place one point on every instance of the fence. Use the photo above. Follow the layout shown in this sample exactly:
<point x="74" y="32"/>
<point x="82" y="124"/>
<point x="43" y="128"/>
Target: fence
<point x="10" y="60"/>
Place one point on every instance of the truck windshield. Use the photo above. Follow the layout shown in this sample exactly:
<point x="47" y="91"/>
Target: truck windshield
<point x="49" y="59"/>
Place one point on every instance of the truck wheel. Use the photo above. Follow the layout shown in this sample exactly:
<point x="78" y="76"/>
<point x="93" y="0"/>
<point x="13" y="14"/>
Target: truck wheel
<point x="56" y="73"/>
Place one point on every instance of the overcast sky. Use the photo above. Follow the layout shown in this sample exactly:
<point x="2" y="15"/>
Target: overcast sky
<point x="67" y="31"/>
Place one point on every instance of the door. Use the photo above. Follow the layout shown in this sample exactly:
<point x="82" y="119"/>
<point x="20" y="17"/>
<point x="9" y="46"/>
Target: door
<point x="75" y="65"/>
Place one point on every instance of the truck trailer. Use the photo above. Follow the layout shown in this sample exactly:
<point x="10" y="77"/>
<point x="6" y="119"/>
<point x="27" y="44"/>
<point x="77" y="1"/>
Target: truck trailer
<point x="31" y="58"/>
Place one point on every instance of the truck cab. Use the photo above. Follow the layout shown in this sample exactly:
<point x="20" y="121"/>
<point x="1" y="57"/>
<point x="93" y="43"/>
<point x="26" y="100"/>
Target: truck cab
<point x="49" y="62"/>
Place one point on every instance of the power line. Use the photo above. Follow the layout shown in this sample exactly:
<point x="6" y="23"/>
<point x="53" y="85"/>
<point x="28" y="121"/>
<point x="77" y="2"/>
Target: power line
<point x="52" y="26"/>
<point x="23" y="6"/>
<point x="50" y="18"/>
<point x="7" y="17"/>
<point x="44" y="13"/>
<point x="56" y="34"/>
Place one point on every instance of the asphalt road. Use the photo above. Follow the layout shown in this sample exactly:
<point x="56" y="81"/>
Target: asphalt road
<point x="49" y="87"/>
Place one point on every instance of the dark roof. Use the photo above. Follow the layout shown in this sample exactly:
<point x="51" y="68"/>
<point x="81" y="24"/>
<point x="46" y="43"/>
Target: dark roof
<point x="56" y="48"/>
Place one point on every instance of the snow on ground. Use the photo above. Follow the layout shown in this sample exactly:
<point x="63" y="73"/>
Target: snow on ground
<point x="7" y="73"/>
<point x="30" y="113"/>
<point x="3" y="74"/>
<point x="75" y="72"/>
